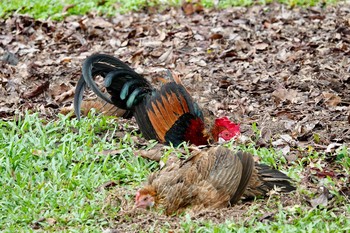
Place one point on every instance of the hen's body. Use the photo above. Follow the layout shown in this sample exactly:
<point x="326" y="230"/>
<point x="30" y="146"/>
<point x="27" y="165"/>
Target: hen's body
<point x="168" y="115"/>
<point x="212" y="178"/>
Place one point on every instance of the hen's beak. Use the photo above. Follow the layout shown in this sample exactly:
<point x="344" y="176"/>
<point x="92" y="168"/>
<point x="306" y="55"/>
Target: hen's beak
<point x="139" y="205"/>
<point x="143" y="205"/>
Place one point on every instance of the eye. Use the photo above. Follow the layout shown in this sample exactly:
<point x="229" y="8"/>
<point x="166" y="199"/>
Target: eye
<point x="145" y="199"/>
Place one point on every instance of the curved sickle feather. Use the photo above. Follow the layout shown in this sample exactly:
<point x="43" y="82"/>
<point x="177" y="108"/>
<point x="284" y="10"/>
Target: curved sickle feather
<point x="78" y="96"/>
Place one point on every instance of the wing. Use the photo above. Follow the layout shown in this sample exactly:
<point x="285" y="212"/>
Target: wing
<point x="226" y="172"/>
<point x="166" y="114"/>
<point x="247" y="171"/>
<point x="219" y="176"/>
<point x="175" y="187"/>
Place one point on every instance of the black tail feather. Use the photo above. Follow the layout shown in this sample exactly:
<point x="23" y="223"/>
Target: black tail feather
<point x="118" y="77"/>
<point x="273" y="178"/>
<point x="78" y="96"/>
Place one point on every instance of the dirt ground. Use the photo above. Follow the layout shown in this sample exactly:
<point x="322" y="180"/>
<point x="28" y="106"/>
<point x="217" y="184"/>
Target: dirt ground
<point x="287" y="70"/>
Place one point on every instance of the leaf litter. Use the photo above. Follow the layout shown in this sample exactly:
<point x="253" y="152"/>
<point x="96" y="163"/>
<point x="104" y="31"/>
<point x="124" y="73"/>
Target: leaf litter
<point x="287" y="70"/>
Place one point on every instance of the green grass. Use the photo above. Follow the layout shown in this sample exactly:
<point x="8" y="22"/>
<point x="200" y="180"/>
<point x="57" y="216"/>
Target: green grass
<point x="54" y="9"/>
<point x="51" y="169"/>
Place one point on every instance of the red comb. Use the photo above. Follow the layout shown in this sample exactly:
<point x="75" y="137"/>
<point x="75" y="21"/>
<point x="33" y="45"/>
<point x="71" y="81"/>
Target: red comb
<point x="224" y="121"/>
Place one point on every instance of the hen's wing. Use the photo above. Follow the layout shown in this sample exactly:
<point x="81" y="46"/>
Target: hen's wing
<point x="225" y="173"/>
<point x="247" y="170"/>
<point x="218" y="175"/>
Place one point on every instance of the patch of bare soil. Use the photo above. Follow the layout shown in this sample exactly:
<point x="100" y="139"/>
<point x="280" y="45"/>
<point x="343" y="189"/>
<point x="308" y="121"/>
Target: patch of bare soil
<point x="288" y="70"/>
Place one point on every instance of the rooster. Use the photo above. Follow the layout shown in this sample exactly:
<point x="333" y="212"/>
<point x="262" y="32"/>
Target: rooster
<point x="168" y="114"/>
<point x="211" y="178"/>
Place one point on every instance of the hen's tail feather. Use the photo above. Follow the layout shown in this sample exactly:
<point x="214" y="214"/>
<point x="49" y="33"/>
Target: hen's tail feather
<point x="264" y="179"/>
<point x="273" y="178"/>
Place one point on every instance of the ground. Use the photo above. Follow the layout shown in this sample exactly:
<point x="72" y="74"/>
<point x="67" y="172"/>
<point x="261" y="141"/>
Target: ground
<point x="284" y="71"/>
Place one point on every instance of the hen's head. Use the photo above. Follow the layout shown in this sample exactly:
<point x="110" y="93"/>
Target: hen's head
<point x="224" y="129"/>
<point x="145" y="198"/>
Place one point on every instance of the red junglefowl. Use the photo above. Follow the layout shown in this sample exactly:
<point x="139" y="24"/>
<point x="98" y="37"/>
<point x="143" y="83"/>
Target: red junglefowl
<point x="168" y="115"/>
<point x="211" y="178"/>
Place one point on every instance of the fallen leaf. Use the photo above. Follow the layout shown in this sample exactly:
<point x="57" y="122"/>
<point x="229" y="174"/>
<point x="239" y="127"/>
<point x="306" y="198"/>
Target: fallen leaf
<point x="322" y="198"/>
<point x="282" y="94"/>
<point x="153" y="154"/>
<point x="51" y="221"/>
<point x="167" y="56"/>
<point x="216" y="36"/>
<point x="111" y="152"/>
<point x="37" y="90"/>
<point x="67" y="7"/>
<point x="261" y="46"/>
<point x="106" y="185"/>
<point x="331" y="99"/>
<point x="60" y="98"/>
<point x="332" y="147"/>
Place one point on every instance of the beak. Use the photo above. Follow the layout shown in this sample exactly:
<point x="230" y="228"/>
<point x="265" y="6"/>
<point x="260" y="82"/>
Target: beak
<point x="138" y="205"/>
<point x="221" y="140"/>
<point x="142" y="205"/>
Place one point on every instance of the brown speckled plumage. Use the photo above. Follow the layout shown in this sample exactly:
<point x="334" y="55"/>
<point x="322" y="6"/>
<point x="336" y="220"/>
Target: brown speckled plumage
<point x="214" y="177"/>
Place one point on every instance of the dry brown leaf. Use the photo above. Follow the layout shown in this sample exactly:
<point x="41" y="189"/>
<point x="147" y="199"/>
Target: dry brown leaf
<point x="153" y="154"/>
<point x="51" y="221"/>
<point x="37" y="90"/>
<point x="321" y="199"/>
<point x="167" y="56"/>
<point x="261" y="46"/>
<point x="283" y="94"/>
<point x="106" y="185"/>
<point x="111" y="152"/>
<point x="191" y="7"/>
<point x="331" y="99"/>
<point x="66" y="110"/>
<point x="60" y="98"/>
<point x="100" y="22"/>
<point x="216" y="36"/>
<point x="67" y="7"/>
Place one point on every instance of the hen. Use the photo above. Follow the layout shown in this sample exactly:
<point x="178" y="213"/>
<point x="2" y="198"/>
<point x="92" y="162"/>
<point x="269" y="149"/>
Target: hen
<point x="212" y="178"/>
<point x="168" y="115"/>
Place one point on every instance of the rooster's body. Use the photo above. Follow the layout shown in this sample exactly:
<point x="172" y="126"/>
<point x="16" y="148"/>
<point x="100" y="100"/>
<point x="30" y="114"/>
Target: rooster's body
<point x="212" y="178"/>
<point x="168" y="115"/>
